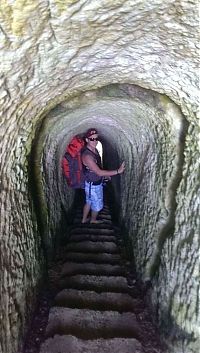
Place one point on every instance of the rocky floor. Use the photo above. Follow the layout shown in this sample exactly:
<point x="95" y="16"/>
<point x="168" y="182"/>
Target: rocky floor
<point x="96" y="303"/>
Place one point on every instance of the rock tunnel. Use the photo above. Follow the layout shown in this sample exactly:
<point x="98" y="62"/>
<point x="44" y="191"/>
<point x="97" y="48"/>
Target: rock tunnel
<point x="131" y="70"/>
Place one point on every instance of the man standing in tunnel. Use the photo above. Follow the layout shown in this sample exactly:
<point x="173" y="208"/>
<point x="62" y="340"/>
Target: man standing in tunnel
<point x="94" y="177"/>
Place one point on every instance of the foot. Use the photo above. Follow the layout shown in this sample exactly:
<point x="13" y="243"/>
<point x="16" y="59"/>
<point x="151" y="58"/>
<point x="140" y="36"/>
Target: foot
<point x="85" y="221"/>
<point x="96" y="221"/>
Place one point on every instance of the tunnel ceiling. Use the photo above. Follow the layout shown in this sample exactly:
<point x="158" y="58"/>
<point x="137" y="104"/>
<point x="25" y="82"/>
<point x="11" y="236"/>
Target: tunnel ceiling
<point x="131" y="67"/>
<point x="58" y="48"/>
<point x="129" y="117"/>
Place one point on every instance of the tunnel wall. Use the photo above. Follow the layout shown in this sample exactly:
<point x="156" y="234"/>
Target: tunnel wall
<point x="55" y="51"/>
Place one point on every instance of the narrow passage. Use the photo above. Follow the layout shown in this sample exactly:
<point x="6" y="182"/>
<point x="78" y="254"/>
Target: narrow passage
<point x="98" y="305"/>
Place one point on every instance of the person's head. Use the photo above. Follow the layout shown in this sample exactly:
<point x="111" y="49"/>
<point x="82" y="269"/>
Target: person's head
<point x="91" y="137"/>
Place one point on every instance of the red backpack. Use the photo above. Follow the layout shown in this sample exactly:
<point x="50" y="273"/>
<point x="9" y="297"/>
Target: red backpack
<point x="72" y="164"/>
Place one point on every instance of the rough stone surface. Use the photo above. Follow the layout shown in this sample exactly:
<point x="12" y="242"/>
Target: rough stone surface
<point x="96" y="346"/>
<point x="131" y="68"/>
<point x="114" y="301"/>
<point x="91" y="324"/>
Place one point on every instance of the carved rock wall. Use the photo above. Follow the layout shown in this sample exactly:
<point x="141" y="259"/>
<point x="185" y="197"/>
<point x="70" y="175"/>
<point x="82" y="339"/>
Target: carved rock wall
<point x="54" y="52"/>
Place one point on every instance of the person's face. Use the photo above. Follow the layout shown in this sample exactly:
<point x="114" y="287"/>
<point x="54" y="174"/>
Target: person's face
<point x="92" y="140"/>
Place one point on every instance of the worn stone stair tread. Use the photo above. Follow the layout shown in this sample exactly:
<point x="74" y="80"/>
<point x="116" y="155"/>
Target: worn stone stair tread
<point x="96" y="283"/>
<point x="105" y="214"/>
<point x="72" y="268"/>
<point x="105" y="218"/>
<point x="93" y="226"/>
<point x="95" y="247"/>
<point x="105" y="208"/>
<point x="91" y="324"/>
<point x="92" y="230"/>
<point x="121" y="302"/>
<point x="71" y="344"/>
<point x="95" y="258"/>
<point x="92" y="237"/>
<point x="79" y="212"/>
<point x="77" y="220"/>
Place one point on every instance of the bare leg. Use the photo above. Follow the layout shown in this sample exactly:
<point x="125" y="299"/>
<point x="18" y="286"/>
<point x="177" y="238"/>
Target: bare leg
<point x="94" y="215"/>
<point x="86" y="210"/>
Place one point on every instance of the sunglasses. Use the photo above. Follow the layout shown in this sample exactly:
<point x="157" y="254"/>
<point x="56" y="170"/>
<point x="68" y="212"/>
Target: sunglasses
<point x="93" y="139"/>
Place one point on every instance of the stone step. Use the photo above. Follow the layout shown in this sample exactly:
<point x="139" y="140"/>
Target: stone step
<point x="92" y="237"/>
<point x="96" y="283"/>
<point x="94" y="226"/>
<point x="120" y="302"/>
<point x="73" y="268"/>
<point x="102" y="214"/>
<point x="90" y="257"/>
<point x="105" y="216"/>
<point x="92" y="230"/>
<point x="104" y="209"/>
<point x="71" y="344"/>
<point x="105" y="222"/>
<point x="92" y="324"/>
<point x="94" y="247"/>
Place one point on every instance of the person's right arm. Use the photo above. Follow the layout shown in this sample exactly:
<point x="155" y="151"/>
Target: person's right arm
<point x="90" y="163"/>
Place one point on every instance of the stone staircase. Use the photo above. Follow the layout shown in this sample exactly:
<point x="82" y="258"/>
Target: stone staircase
<point x="98" y="307"/>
